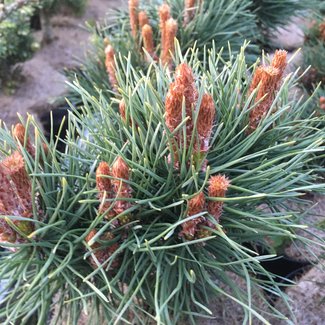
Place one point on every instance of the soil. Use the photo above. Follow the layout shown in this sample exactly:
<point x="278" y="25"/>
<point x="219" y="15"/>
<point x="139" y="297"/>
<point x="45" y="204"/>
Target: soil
<point x="307" y="299"/>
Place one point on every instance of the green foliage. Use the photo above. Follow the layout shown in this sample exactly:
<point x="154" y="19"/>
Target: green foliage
<point x="15" y="40"/>
<point x="272" y="14"/>
<point x="52" y="6"/>
<point x="161" y="276"/>
<point x="222" y="22"/>
<point x="313" y="56"/>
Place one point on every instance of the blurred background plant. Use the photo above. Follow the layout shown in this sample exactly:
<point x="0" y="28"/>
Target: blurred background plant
<point x="313" y="54"/>
<point x="16" y="38"/>
<point x="16" y="41"/>
<point x="273" y="14"/>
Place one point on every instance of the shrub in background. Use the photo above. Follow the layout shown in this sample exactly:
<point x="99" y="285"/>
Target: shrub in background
<point x="15" y="40"/>
<point x="272" y="14"/>
<point x="313" y="54"/>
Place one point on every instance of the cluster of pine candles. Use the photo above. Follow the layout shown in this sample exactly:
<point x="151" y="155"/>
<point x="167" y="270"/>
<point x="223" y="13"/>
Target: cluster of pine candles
<point x="15" y="192"/>
<point x="111" y="181"/>
<point x="266" y="81"/>
<point x="165" y="186"/>
<point x="142" y="30"/>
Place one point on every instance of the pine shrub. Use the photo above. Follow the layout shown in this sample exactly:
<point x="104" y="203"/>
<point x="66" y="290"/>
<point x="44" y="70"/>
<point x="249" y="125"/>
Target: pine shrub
<point x="164" y="194"/>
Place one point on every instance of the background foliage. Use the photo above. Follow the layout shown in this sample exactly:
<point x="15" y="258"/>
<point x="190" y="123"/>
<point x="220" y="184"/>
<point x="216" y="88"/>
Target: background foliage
<point x="272" y="14"/>
<point x="15" y="39"/>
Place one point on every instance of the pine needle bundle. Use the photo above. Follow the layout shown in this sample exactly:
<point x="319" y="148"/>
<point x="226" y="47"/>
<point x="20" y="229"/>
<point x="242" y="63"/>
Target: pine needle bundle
<point x="146" y="30"/>
<point x="165" y="195"/>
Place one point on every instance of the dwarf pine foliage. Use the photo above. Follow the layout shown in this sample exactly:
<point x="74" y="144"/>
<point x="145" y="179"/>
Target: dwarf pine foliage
<point x="147" y="29"/>
<point x="167" y="194"/>
<point x="183" y="166"/>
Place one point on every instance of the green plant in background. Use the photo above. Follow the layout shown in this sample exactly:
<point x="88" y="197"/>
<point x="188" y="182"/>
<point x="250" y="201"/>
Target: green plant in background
<point x="313" y="57"/>
<point x="162" y="195"/>
<point x="272" y="14"/>
<point x="15" y="40"/>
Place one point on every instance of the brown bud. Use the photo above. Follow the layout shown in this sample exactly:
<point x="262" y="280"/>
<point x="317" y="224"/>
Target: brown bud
<point x="110" y="65"/>
<point x="184" y="76"/>
<point x="17" y="173"/>
<point x="183" y="89"/>
<point x="173" y="105"/>
<point x="256" y="78"/>
<point x="195" y="206"/>
<point x="168" y="46"/>
<point x="269" y="79"/>
<point x="164" y="15"/>
<point x="19" y="134"/>
<point x="102" y="254"/>
<point x="122" y="190"/>
<point x="15" y="197"/>
<point x="147" y="36"/>
<point x="204" y="124"/>
<point x="9" y="199"/>
<point x="120" y="169"/>
<point x="122" y="109"/>
<point x="104" y="187"/>
<point x="103" y="183"/>
<point x="279" y="62"/>
<point x="206" y="116"/>
<point x="133" y="12"/>
<point x="143" y="19"/>
<point x="218" y="186"/>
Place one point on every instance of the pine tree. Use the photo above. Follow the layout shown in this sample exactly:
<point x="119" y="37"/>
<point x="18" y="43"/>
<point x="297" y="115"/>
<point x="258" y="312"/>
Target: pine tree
<point x="163" y="194"/>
